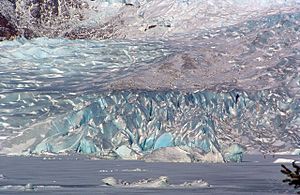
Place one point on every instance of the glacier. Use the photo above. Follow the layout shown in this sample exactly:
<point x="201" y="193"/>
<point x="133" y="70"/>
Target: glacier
<point x="205" y="80"/>
<point x="131" y="124"/>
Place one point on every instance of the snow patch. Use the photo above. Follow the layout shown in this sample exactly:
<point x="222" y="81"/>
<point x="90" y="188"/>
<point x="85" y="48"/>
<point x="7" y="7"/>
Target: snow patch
<point x="285" y="160"/>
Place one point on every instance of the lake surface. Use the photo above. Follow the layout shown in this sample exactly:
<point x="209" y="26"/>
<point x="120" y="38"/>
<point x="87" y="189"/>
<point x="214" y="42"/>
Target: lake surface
<point x="79" y="175"/>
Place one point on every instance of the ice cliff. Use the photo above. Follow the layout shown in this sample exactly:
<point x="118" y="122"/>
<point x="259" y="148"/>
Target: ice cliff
<point x="131" y="124"/>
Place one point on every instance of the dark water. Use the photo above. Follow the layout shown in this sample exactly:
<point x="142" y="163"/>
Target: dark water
<point x="78" y="175"/>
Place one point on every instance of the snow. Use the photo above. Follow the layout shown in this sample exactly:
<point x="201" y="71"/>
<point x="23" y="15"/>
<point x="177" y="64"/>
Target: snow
<point x="285" y="160"/>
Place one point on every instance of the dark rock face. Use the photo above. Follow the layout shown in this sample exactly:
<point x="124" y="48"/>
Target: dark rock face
<point x="106" y="31"/>
<point x="34" y="18"/>
<point x="7" y="30"/>
<point x="48" y="17"/>
<point x="130" y="19"/>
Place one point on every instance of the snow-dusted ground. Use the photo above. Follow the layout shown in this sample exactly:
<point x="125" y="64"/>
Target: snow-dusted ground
<point x="79" y="175"/>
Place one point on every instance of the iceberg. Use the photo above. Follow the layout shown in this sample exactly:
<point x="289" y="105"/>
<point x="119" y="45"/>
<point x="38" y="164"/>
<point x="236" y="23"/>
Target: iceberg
<point x="160" y="182"/>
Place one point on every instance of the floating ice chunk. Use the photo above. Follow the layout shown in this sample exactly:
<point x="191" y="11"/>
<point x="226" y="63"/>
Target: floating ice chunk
<point x="285" y="160"/>
<point x="134" y="170"/>
<point x="12" y="188"/>
<point x="2" y="177"/>
<point x="194" y="184"/>
<point x="296" y="152"/>
<point x="3" y="137"/>
<point x="29" y="187"/>
<point x="103" y="171"/>
<point x="110" y="181"/>
<point x="161" y="182"/>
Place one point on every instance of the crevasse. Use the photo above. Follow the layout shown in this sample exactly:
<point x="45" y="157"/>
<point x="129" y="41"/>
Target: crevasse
<point x="139" y="122"/>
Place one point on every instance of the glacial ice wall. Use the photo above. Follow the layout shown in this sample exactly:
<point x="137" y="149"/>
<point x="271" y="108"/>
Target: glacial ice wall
<point x="150" y="120"/>
<point x="131" y="124"/>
